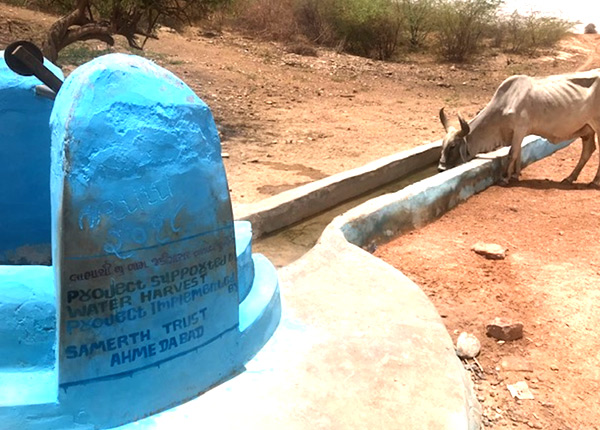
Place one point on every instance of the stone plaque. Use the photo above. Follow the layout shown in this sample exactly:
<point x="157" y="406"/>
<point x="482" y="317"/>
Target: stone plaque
<point x="144" y="248"/>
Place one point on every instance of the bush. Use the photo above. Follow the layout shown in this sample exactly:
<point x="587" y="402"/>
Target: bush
<point x="461" y="25"/>
<point x="526" y="34"/>
<point x="312" y="23"/>
<point x="496" y="32"/>
<point x="548" y="31"/>
<point x="369" y="28"/>
<point x="269" y="18"/>
<point x="419" y="21"/>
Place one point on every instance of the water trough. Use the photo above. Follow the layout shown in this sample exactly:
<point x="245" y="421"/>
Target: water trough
<point x="360" y="330"/>
<point x="288" y="224"/>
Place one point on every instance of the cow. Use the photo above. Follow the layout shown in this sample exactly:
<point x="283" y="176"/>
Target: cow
<point x="557" y="108"/>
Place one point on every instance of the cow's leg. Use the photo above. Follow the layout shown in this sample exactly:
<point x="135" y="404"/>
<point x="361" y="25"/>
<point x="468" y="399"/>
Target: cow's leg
<point x="588" y="146"/>
<point x="513" y="170"/>
<point x="596" y="181"/>
<point x="595" y="125"/>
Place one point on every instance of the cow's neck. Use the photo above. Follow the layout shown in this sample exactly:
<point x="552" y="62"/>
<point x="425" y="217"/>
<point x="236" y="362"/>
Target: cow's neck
<point x="486" y="133"/>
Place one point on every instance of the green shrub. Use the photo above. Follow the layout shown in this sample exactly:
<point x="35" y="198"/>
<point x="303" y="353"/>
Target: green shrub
<point x="419" y="21"/>
<point x="461" y="25"/>
<point x="526" y="34"/>
<point x="549" y="31"/>
<point x="369" y="28"/>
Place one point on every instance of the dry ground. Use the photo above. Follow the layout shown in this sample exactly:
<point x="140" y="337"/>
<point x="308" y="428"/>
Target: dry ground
<point x="550" y="281"/>
<point x="286" y="120"/>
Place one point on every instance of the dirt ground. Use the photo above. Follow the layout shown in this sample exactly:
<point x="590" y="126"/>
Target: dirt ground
<point x="550" y="281"/>
<point x="286" y="120"/>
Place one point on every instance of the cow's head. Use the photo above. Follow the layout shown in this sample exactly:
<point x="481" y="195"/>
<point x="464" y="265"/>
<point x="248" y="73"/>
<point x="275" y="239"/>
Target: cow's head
<point x="454" y="145"/>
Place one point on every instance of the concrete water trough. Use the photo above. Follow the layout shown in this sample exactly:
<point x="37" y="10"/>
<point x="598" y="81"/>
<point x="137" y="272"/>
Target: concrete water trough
<point x="360" y="345"/>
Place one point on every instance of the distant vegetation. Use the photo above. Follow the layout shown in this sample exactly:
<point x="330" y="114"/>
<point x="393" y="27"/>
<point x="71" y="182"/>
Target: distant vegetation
<point x="590" y="29"/>
<point x="455" y="30"/>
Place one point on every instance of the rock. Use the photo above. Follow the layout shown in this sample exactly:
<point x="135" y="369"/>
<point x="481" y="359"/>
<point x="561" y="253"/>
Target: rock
<point x="165" y="29"/>
<point x="520" y="390"/>
<point x="503" y="329"/>
<point x="467" y="345"/>
<point x="491" y="251"/>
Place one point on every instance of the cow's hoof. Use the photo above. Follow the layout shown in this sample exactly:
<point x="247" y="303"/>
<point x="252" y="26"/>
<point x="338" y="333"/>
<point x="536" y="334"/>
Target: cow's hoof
<point x="504" y="182"/>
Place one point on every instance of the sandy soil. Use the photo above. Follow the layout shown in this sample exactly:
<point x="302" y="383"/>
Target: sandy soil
<point x="286" y="120"/>
<point x="550" y="281"/>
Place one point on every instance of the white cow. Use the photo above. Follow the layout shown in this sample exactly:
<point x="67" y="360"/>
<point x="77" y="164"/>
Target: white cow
<point x="558" y="108"/>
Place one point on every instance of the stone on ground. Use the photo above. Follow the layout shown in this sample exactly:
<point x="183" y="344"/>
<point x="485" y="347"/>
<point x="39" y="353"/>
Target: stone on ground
<point x="504" y="329"/>
<point x="491" y="251"/>
<point x="467" y="345"/>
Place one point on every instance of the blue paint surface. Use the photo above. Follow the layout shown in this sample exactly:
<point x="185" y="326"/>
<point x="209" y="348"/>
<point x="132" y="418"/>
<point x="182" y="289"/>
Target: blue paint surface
<point x="139" y="202"/>
<point x="145" y="255"/>
<point x="144" y="246"/>
<point x="243" y="244"/>
<point x="25" y="175"/>
<point x="27" y="317"/>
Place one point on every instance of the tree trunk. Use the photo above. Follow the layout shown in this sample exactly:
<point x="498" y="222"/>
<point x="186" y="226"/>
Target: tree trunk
<point x="81" y="25"/>
<point x="53" y="42"/>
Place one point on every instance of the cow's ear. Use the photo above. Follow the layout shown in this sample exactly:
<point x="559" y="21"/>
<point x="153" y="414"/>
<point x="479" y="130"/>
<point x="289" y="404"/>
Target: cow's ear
<point x="444" y="119"/>
<point x="464" y="151"/>
<point x="464" y="127"/>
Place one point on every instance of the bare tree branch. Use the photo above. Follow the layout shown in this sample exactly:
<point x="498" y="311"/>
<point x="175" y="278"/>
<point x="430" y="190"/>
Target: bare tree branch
<point x="102" y="20"/>
<point x="91" y="31"/>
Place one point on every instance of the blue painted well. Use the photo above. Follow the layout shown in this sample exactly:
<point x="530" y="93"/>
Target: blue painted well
<point x="139" y="202"/>
<point x="28" y="374"/>
<point x="27" y="317"/>
<point x="25" y="173"/>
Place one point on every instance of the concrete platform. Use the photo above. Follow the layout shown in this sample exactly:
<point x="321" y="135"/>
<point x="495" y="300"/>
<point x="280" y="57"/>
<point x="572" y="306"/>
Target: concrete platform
<point x="360" y="346"/>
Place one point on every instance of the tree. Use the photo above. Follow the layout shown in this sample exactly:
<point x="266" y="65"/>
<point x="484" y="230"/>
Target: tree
<point x="103" y="19"/>
<point x="590" y="29"/>
<point x="418" y="16"/>
<point x="461" y="25"/>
